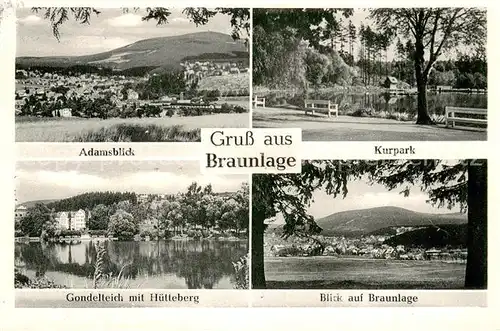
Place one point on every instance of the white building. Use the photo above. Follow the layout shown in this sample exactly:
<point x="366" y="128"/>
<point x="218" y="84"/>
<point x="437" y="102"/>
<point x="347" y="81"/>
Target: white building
<point x="78" y="220"/>
<point x="62" y="220"/>
<point x="72" y="220"/>
<point x="20" y="212"/>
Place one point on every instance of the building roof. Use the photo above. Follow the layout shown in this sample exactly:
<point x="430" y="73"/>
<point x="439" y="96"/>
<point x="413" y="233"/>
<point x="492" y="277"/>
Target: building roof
<point x="392" y="79"/>
<point x="21" y="208"/>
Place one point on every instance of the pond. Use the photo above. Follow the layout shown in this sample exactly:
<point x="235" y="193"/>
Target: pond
<point x="385" y="101"/>
<point x="190" y="264"/>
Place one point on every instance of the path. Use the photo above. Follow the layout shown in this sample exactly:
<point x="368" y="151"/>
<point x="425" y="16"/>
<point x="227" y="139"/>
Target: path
<point x="322" y="128"/>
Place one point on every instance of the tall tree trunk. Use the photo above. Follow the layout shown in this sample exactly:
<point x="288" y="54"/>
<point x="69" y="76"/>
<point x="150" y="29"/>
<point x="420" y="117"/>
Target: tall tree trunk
<point x="421" y="76"/>
<point x="476" y="271"/>
<point x="258" y="275"/>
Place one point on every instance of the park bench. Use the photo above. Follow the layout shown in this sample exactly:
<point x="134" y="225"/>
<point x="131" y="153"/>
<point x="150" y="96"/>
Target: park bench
<point x="455" y="115"/>
<point x="321" y="106"/>
<point x="259" y="102"/>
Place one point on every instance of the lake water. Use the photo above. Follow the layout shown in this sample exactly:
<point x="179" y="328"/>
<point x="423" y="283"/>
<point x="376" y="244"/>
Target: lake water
<point x="203" y="264"/>
<point x="387" y="102"/>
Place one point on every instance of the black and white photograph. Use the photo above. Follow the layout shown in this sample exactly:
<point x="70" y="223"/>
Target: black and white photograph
<point x="371" y="224"/>
<point x="129" y="225"/>
<point x="372" y="74"/>
<point x="155" y="74"/>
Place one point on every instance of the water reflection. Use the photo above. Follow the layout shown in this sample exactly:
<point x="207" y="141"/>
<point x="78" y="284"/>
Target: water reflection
<point x="187" y="264"/>
<point x="385" y="101"/>
<point x="408" y="103"/>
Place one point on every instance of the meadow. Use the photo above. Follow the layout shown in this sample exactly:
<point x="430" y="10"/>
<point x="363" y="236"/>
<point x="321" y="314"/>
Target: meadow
<point x="149" y="129"/>
<point x="326" y="272"/>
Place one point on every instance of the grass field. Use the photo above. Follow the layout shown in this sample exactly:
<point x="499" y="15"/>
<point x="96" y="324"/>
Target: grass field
<point x="355" y="273"/>
<point x="163" y="129"/>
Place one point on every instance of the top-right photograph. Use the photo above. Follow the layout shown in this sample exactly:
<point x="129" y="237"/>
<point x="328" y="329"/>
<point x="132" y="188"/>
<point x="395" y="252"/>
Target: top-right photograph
<point x="371" y="74"/>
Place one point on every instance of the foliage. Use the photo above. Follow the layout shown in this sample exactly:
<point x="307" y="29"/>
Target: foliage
<point x="199" y="16"/>
<point x="140" y="133"/>
<point x="91" y="200"/>
<point x="22" y="281"/>
<point x="241" y="273"/>
<point x="122" y="225"/>
<point x="39" y="220"/>
<point x="166" y="83"/>
<point x="432" y="30"/>
<point x="277" y="60"/>
<point x="446" y="184"/>
<point x="99" y="264"/>
<point x="99" y="217"/>
<point x="67" y="233"/>
<point x="98" y="233"/>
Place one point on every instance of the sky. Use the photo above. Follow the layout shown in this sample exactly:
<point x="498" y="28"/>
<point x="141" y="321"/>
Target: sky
<point x="57" y="180"/>
<point x="361" y="195"/>
<point x="111" y="29"/>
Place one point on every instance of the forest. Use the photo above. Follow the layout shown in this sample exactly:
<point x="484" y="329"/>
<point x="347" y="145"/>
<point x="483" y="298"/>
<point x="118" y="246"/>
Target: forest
<point x="304" y="48"/>
<point x="340" y="53"/>
<point x="198" y="212"/>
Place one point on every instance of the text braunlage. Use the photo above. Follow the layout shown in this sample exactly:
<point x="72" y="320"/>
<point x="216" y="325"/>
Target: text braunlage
<point x="246" y="151"/>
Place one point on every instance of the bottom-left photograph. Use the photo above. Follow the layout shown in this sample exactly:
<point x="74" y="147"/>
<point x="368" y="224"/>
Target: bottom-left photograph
<point x="130" y="225"/>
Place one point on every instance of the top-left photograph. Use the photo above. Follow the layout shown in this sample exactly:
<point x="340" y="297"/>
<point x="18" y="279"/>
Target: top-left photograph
<point x="129" y="74"/>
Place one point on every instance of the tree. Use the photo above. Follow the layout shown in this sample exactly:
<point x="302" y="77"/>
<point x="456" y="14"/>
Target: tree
<point x="280" y="37"/>
<point x="121" y="225"/>
<point x="432" y="31"/>
<point x="171" y="216"/>
<point x="199" y="16"/>
<point x="462" y="183"/>
<point x="316" y="66"/>
<point x="39" y="221"/>
<point x="99" y="218"/>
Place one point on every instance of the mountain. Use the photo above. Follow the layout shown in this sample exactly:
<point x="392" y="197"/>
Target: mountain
<point x="381" y="220"/>
<point x="162" y="52"/>
<point x="29" y="204"/>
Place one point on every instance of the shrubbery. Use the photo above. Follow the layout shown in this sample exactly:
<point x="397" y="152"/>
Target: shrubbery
<point x="68" y="233"/>
<point x="98" y="233"/>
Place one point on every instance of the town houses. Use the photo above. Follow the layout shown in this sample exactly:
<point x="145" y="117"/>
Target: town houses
<point x="53" y="89"/>
<point x="20" y="212"/>
<point x="45" y="94"/>
<point x="194" y="70"/>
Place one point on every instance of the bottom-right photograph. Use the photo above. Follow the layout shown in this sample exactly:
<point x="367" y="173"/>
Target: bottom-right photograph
<point x="371" y="224"/>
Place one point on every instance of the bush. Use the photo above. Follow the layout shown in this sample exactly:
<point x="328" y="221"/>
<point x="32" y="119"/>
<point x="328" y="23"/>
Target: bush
<point x="241" y="274"/>
<point x="213" y="94"/>
<point x="140" y="133"/>
<point x="68" y="233"/>
<point x="170" y="112"/>
<point x="145" y="233"/>
<point x="128" y="112"/>
<point x="239" y="110"/>
<point x="98" y="233"/>
<point x="121" y="225"/>
<point x="22" y="281"/>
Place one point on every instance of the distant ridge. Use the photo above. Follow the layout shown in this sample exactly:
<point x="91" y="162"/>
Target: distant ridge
<point x="366" y="221"/>
<point x="160" y="52"/>
<point x="29" y="204"/>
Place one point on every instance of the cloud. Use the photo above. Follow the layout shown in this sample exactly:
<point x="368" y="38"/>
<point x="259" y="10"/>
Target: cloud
<point x="43" y="184"/>
<point x="125" y="20"/>
<point x="30" y="20"/>
<point x="94" y="44"/>
<point x="179" y="20"/>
